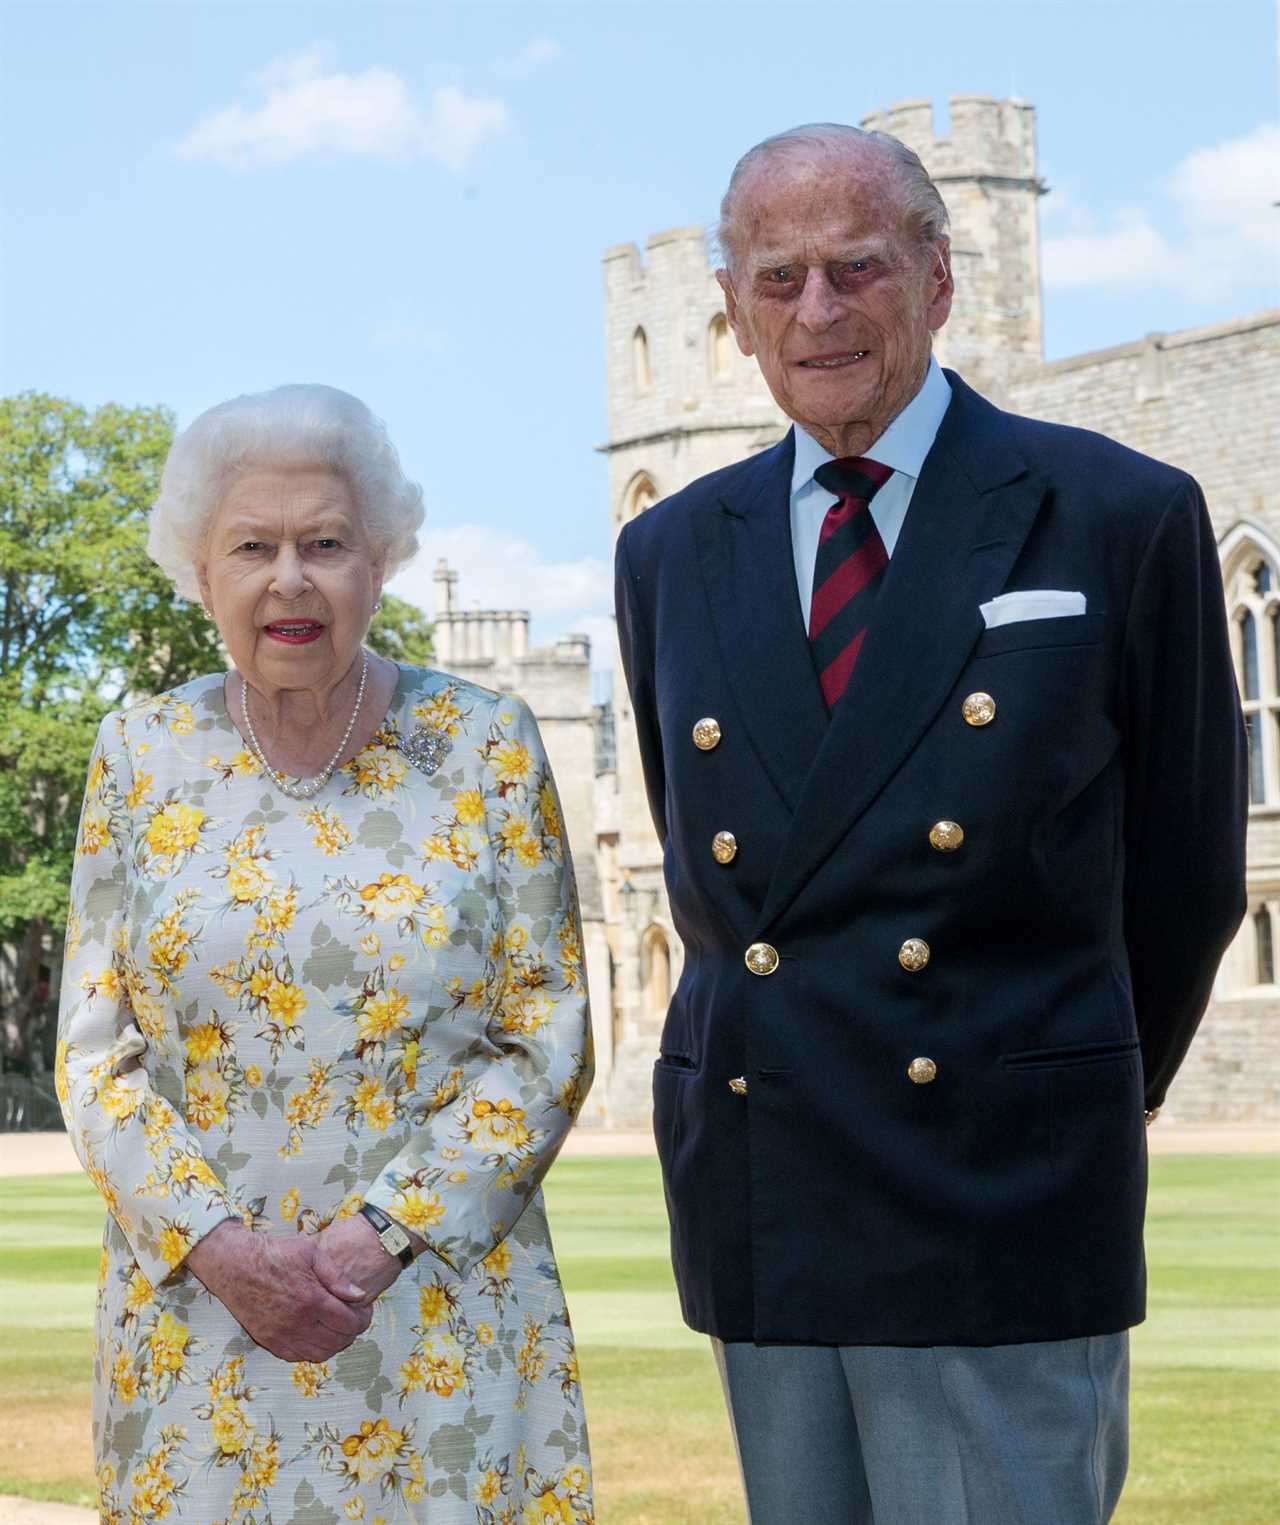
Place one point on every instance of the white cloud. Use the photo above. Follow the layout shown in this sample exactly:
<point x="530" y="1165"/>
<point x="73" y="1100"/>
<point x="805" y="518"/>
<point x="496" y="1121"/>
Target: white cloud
<point x="308" y="109"/>
<point x="460" y="123"/>
<point x="531" y="58"/>
<point x="501" y="571"/>
<point x="1219" y="202"/>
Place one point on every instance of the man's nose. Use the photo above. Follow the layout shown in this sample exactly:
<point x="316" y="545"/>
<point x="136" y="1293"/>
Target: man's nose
<point x="289" y="574"/>
<point x="820" y="304"/>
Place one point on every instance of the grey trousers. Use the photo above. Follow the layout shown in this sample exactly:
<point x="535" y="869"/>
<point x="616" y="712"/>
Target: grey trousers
<point x="1033" y="1434"/>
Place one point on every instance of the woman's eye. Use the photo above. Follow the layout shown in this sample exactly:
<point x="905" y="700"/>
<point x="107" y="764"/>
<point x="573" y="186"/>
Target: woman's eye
<point x="253" y="545"/>
<point x="327" y="543"/>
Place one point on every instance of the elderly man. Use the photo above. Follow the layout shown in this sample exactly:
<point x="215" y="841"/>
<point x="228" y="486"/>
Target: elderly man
<point x="942" y="745"/>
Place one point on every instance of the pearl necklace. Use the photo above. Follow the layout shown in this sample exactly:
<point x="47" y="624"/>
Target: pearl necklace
<point x="307" y="788"/>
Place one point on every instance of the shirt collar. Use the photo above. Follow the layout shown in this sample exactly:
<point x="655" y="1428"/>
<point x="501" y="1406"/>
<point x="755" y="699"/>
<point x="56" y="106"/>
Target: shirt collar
<point x="903" y="445"/>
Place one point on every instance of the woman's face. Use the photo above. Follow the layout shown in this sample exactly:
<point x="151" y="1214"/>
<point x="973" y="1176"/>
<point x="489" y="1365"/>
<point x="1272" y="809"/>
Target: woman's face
<point x="289" y="577"/>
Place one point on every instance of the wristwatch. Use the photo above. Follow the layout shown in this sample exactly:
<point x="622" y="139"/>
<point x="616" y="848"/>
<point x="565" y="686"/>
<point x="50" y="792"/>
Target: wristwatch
<point x="391" y="1236"/>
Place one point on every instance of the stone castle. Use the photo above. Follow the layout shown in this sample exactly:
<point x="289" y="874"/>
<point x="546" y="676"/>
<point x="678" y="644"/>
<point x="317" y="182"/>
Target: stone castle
<point x="684" y="401"/>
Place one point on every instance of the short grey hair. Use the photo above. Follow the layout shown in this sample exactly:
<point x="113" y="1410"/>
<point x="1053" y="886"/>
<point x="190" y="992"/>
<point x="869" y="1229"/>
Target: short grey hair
<point x="303" y="425"/>
<point x="923" y="208"/>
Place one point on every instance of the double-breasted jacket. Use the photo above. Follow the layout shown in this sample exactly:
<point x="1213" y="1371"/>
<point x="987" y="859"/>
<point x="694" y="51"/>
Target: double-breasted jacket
<point x="967" y="922"/>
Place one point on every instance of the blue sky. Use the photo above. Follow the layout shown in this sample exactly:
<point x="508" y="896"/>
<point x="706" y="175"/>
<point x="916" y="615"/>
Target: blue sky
<point x="411" y="200"/>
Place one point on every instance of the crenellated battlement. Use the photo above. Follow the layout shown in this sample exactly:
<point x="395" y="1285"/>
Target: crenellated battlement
<point x="989" y="139"/>
<point x="673" y="366"/>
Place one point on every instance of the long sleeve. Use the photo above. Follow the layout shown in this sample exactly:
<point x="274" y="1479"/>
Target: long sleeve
<point x="638" y="667"/>
<point x="132" y="1140"/>
<point x="1186" y="792"/>
<point x="488" y="1137"/>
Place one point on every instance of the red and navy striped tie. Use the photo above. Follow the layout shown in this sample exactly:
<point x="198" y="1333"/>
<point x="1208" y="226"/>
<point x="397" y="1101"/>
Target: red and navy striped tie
<point x="849" y="570"/>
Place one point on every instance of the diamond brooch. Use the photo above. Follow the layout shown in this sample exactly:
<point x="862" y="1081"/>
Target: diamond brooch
<point x="426" y="749"/>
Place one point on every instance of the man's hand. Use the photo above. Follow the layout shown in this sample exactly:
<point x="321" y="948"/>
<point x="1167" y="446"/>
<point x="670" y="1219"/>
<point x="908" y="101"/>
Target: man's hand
<point x="273" y="1288"/>
<point x="348" y="1253"/>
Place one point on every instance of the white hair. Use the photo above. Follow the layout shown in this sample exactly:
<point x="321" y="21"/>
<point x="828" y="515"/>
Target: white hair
<point x="923" y="209"/>
<point x="304" y="425"/>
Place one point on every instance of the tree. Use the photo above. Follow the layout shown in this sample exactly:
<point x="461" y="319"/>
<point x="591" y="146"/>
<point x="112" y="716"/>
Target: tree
<point x="86" y="619"/>
<point x="401" y="632"/>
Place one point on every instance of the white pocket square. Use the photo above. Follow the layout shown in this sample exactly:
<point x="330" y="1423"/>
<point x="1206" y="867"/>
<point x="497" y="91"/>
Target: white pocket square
<point x="1033" y="604"/>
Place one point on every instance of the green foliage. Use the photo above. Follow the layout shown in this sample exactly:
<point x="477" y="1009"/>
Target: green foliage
<point x="85" y="619"/>
<point x="82" y="607"/>
<point x="401" y="632"/>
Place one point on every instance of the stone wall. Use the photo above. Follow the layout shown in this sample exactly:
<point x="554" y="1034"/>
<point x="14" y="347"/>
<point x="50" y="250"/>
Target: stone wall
<point x="1206" y="399"/>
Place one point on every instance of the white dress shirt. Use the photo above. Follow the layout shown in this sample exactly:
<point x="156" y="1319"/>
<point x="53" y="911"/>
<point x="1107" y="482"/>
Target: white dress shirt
<point x="903" y="445"/>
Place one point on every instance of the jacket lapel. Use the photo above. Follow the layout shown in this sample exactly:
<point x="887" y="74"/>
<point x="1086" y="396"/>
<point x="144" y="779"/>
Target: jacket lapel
<point x="748" y="570"/>
<point x="971" y="511"/>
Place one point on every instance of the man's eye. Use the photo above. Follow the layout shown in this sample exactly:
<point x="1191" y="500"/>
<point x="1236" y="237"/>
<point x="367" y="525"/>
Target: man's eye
<point x="327" y="543"/>
<point x="782" y="276"/>
<point x="253" y="545"/>
<point x="849" y="272"/>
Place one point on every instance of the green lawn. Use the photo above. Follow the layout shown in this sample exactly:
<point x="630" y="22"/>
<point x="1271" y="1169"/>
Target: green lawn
<point x="1205" y="1384"/>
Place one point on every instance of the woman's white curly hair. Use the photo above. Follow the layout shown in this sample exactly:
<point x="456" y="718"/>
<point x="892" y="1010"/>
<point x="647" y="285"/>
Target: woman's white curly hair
<point x="303" y="425"/>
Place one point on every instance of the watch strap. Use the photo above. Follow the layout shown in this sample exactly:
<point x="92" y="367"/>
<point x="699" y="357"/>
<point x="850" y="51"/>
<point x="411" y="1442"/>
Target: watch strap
<point x="382" y="1224"/>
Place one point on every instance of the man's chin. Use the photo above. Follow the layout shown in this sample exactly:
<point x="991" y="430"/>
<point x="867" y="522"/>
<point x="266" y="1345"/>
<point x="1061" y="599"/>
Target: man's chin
<point x="826" y="414"/>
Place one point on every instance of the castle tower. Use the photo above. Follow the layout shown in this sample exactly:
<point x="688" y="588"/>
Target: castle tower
<point x="986" y="172"/>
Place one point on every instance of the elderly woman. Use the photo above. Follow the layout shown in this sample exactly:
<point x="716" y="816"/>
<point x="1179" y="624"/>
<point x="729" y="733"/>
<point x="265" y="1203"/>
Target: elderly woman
<point x="324" y="1029"/>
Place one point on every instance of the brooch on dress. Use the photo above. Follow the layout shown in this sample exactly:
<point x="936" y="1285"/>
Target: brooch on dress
<point x="426" y="749"/>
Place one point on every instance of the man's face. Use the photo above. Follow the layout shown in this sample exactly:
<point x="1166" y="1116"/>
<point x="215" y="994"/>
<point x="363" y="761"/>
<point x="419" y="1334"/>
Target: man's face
<point x="833" y="297"/>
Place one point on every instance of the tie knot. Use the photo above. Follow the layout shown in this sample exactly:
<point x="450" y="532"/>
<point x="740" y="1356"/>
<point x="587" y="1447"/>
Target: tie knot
<point x="853" y="476"/>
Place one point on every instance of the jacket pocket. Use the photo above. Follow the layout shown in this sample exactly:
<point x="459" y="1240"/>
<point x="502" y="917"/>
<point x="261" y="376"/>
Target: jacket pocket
<point x="1030" y="635"/>
<point x="1071" y="1055"/>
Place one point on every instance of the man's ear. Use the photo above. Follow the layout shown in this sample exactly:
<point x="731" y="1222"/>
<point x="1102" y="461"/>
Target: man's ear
<point x="731" y="311"/>
<point x="944" y="284"/>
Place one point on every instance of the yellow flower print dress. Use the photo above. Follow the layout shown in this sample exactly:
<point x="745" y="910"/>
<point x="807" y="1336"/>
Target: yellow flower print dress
<point x="276" y="1009"/>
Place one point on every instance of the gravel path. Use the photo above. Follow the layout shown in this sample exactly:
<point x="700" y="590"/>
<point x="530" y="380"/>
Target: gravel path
<point x="34" y="1154"/>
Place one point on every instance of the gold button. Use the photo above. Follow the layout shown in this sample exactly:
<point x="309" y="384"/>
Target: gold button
<point x="921" y="1071"/>
<point x="946" y="836"/>
<point x="913" y="955"/>
<point x="724" y="847"/>
<point x="762" y="958"/>
<point x="706" y="734"/>
<point x="738" y="1085"/>
<point x="979" y="709"/>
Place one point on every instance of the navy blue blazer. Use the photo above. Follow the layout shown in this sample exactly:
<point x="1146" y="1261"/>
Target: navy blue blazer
<point x="825" y="1196"/>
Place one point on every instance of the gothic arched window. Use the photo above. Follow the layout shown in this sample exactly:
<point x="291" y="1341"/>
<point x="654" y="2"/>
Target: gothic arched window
<point x="719" y="347"/>
<point x="640" y="373"/>
<point x="1263" y="947"/>
<point x="640" y="494"/>
<point x="1253" y="598"/>
<point x="656" y="966"/>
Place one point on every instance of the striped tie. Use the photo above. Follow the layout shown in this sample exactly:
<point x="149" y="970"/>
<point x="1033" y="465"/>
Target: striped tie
<point x="849" y="570"/>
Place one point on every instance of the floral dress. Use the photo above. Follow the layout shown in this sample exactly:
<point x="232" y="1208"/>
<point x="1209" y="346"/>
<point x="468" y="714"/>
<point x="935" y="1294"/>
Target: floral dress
<point x="278" y="1009"/>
